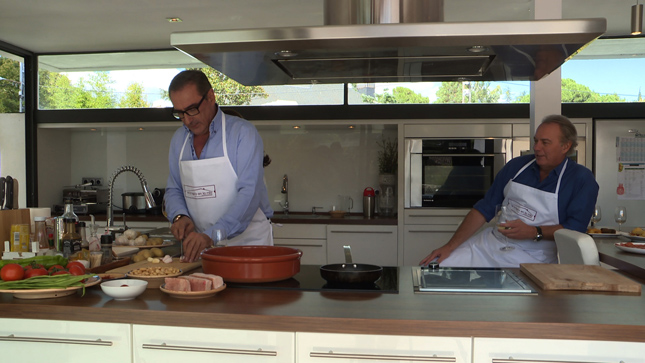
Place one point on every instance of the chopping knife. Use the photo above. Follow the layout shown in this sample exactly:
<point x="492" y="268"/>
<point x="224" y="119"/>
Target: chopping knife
<point x="1" y="192"/>
<point x="9" y="193"/>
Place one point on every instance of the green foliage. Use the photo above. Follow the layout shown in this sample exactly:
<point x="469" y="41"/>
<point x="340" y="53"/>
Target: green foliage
<point x="228" y="92"/>
<point x="387" y="156"/>
<point x="573" y="92"/>
<point x="9" y="86"/>
<point x="398" y="95"/>
<point x="468" y="92"/>
<point x="134" y="97"/>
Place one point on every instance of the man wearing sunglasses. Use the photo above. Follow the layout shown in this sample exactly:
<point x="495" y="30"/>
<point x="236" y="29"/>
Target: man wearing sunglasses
<point x="215" y="189"/>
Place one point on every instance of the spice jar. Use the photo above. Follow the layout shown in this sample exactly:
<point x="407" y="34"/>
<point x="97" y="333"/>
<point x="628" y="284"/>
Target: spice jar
<point x="106" y="248"/>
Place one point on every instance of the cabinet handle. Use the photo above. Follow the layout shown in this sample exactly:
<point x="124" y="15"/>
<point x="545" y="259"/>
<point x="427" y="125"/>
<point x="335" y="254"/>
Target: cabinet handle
<point x="164" y="346"/>
<point x="13" y="338"/>
<point x="428" y="231"/>
<point x="381" y="232"/>
<point x="511" y="360"/>
<point x="296" y="245"/>
<point x="414" y="358"/>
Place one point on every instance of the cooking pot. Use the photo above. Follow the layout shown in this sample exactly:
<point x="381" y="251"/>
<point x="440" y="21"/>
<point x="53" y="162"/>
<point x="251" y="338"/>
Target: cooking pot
<point x="134" y="202"/>
<point x="252" y="264"/>
<point x="349" y="272"/>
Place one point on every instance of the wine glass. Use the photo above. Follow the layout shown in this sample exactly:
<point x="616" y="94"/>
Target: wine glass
<point x="596" y="216"/>
<point x="502" y="217"/>
<point x="620" y="215"/>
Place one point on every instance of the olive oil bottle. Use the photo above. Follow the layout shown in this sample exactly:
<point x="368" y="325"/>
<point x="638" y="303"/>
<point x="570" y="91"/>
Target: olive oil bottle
<point x="71" y="239"/>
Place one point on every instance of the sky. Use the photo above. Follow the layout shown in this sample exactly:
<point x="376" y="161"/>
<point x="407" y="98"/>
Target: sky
<point x="623" y="77"/>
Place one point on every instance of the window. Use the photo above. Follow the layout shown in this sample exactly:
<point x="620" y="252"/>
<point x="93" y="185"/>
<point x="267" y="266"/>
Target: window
<point x="12" y="85"/>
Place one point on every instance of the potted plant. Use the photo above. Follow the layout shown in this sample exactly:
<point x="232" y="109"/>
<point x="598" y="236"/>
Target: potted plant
<point x="387" y="166"/>
<point x="388" y="155"/>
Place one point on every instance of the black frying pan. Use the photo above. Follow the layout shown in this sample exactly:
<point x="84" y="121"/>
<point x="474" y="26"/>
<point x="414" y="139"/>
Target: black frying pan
<point x="349" y="272"/>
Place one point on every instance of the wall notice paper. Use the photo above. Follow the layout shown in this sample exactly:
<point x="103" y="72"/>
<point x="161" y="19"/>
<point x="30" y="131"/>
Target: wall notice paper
<point x="631" y="181"/>
<point x="630" y="150"/>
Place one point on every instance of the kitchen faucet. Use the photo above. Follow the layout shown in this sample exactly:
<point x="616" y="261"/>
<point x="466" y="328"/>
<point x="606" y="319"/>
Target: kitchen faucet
<point x="150" y="202"/>
<point x="285" y="191"/>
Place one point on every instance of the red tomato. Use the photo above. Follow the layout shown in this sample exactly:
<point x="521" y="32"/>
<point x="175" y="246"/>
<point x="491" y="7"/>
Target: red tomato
<point x="12" y="272"/>
<point x="35" y="272"/>
<point x="33" y="265"/>
<point x="76" y="263"/>
<point x="55" y="268"/>
<point x="61" y="272"/>
<point x="75" y="270"/>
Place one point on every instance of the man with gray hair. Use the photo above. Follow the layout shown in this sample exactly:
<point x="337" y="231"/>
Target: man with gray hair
<point x="541" y="193"/>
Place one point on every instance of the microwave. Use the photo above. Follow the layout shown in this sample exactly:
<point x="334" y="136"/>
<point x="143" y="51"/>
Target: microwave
<point x="452" y="173"/>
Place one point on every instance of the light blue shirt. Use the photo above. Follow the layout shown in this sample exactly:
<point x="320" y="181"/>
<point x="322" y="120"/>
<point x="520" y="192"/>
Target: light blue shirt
<point x="246" y="153"/>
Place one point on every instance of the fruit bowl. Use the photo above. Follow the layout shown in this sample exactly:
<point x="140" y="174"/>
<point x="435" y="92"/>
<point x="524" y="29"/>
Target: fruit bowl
<point x="124" y="289"/>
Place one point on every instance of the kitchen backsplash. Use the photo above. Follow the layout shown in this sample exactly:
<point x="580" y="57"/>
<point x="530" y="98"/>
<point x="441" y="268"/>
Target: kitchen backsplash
<point x="321" y="161"/>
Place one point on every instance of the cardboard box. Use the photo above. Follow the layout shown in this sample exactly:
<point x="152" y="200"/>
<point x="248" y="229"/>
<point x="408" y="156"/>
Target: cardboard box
<point x="9" y="217"/>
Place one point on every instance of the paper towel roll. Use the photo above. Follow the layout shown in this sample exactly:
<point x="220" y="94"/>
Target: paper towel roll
<point x="38" y="212"/>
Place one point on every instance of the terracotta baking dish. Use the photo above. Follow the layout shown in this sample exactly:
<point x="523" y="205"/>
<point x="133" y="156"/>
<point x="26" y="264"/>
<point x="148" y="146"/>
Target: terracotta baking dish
<point x="252" y="264"/>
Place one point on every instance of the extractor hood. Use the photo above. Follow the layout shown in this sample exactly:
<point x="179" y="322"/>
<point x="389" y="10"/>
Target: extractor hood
<point x="399" y="52"/>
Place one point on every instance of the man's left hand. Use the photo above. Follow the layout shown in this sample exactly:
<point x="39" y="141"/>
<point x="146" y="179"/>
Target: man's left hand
<point x="516" y="229"/>
<point x="194" y="244"/>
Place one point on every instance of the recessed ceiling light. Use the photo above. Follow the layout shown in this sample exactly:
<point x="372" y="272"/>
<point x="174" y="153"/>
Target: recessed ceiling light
<point x="140" y="128"/>
<point x="351" y="126"/>
<point x="296" y="127"/>
<point x="92" y="129"/>
<point x="174" y="20"/>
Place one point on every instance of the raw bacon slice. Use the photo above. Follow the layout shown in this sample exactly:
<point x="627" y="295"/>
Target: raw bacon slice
<point x="198" y="283"/>
<point x="217" y="280"/>
<point x="176" y="284"/>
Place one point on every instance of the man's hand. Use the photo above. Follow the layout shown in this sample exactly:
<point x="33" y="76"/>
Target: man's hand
<point x="182" y="228"/>
<point x="194" y="244"/>
<point x="440" y="254"/>
<point x="516" y="229"/>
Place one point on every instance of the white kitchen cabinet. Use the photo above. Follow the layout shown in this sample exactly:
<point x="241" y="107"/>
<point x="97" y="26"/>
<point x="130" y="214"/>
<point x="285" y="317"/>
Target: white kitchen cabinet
<point x="427" y="229"/>
<point x="500" y="350"/>
<point x="338" y="348"/>
<point x="311" y="239"/>
<point x="375" y="245"/>
<point x="33" y="340"/>
<point x="154" y="344"/>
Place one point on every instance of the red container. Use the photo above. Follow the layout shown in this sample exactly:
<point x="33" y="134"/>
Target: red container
<point x="252" y="264"/>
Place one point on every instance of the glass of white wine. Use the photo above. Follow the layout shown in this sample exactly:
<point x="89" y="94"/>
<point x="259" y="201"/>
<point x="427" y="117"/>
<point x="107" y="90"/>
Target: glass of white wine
<point x="620" y="216"/>
<point x="596" y="216"/>
<point x="502" y="217"/>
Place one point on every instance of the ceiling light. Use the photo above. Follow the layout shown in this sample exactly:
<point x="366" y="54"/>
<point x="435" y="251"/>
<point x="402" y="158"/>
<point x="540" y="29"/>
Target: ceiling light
<point x="296" y="127"/>
<point x="92" y="129"/>
<point x="351" y="126"/>
<point x="140" y="128"/>
<point x="637" y="18"/>
<point x="174" y="20"/>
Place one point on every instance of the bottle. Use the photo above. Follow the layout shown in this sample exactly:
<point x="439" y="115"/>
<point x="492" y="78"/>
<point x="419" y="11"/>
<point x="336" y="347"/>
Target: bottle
<point x="106" y="248"/>
<point x="71" y="240"/>
<point x="41" y="233"/>
<point x="69" y="210"/>
<point x="368" y="202"/>
<point x="80" y="229"/>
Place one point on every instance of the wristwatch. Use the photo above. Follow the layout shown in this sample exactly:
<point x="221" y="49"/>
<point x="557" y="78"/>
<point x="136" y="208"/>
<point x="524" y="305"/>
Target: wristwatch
<point x="539" y="235"/>
<point x="177" y="217"/>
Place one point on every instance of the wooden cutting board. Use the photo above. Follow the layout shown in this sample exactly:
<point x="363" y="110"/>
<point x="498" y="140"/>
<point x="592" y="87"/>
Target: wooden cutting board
<point x="184" y="266"/>
<point x="578" y="277"/>
<point x="9" y="217"/>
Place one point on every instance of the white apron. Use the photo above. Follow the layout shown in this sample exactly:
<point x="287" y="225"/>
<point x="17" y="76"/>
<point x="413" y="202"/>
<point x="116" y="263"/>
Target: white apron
<point x="210" y="189"/>
<point x="535" y="208"/>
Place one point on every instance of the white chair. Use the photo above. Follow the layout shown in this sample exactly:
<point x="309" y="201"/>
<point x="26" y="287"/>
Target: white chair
<point x="576" y="248"/>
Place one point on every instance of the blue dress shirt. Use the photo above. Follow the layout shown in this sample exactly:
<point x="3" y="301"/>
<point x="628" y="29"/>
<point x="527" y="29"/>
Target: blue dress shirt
<point x="576" y="198"/>
<point x="246" y="153"/>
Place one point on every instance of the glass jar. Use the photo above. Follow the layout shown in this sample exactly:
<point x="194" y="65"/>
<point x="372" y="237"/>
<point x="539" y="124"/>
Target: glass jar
<point x="106" y="248"/>
<point x="41" y="233"/>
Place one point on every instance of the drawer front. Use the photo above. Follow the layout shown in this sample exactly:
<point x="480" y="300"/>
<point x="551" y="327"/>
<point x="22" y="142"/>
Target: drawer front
<point x="497" y="350"/>
<point x="300" y="231"/>
<point x="27" y="340"/>
<point x="338" y="348"/>
<point x="314" y="251"/>
<point x="420" y="241"/>
<point x="375" y="245"/>
<point x="154" y="344"/>
<point x="444" y="217"/>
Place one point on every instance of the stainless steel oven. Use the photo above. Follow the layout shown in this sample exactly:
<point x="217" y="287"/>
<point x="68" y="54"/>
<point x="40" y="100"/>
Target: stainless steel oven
<point x="452" y="173"/>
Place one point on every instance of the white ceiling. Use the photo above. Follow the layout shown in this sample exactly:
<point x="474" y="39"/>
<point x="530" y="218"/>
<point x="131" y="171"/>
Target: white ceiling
<point x="71" y="26"/>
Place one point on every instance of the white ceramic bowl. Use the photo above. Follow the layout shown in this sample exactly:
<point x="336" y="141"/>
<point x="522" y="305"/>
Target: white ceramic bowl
<point x="116" y="290"/>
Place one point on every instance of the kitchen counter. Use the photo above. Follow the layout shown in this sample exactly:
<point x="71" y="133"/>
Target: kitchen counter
<point x="548" y="315"/>
<point x="631" y="263"/>
<point x="293" y="217"/>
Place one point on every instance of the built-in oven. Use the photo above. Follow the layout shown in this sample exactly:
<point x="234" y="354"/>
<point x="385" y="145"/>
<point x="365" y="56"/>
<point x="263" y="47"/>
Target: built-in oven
<point x="452" y="173"/>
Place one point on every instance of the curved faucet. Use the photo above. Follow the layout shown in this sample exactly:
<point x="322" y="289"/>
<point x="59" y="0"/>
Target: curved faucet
<point x="285" y="191"/>
<point x="150" y="202"/>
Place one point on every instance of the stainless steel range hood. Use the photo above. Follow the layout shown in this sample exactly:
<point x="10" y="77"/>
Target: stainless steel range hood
<point x="399" y="52"/>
